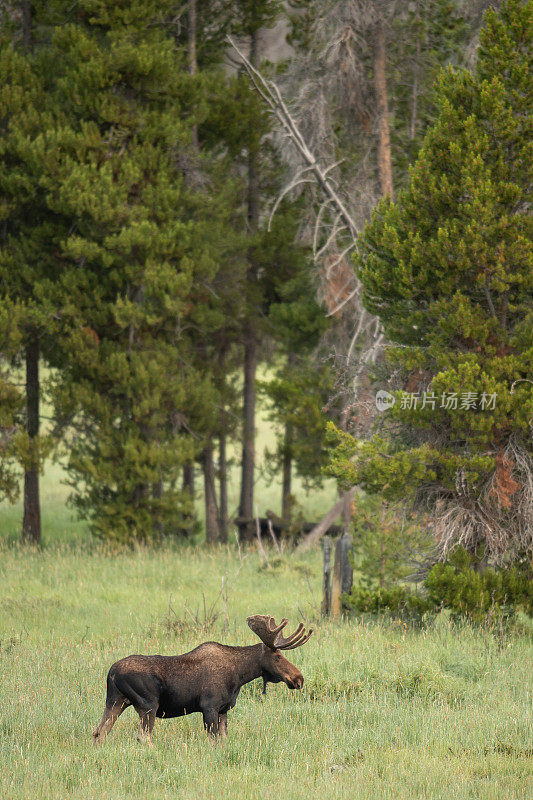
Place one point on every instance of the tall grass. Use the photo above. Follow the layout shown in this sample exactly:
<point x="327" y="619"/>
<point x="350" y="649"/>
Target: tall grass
<point x="386" y="712"/>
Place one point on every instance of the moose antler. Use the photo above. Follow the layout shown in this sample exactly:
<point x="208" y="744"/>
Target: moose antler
<point x="264" y="626"/>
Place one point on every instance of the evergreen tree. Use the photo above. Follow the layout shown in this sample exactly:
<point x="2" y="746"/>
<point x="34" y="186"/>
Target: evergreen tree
<point x="251" y="17"/>
<point x="448" y="271"/>
<point x="301" y="386"/>
<point x="13" y="443"/>
<point x="144" y="245"/>
<point x="29" y="242"/>
<point x="222" y="131"/>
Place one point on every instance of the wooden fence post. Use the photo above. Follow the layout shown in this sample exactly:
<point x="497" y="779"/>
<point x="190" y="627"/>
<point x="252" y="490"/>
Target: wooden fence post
<point x="342" y="573"/>
<point x="326" y="597"/>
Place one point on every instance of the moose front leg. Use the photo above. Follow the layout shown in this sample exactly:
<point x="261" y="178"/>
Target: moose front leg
<point x="223" y="725"/>
<point x="211" y="721"/>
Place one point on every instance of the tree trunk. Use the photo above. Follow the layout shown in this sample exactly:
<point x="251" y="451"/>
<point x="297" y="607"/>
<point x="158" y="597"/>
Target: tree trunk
<point x="345" y="496"/>
<point x="192" y="37"/>
<point x="342" y="573"/>
<point x="380" y="88"/>
<point x="326" y="578"/>
<point x="140" y="494"/>
<point x="188" y="479"/>
<point x="211" y="510"/>
<point x="222" y="451"/>
<point x="27" y="38"/>
<point x="192" y="57"/>
<point x="286" y="499"/>
<point x="414" y="101"/>
<point x="157" y="494"/>
<point x="31" y="523"/>
<point x="286" y="484"/>
<point x="246" y="505"/>
<point x="250" y="345"/>
<point x="223" y="484"/>
<point x="347" y="512"/>
<point x="187" y="487"/>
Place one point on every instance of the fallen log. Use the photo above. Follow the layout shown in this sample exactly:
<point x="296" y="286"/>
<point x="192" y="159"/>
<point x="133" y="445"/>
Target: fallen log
<point x="325" y="523"/>
<point x="272" y="524"/>
<point x="304" y="527"/>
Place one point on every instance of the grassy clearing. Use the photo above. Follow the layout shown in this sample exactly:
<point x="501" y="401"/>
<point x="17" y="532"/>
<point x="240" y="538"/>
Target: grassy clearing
<point x="386" y="712"/>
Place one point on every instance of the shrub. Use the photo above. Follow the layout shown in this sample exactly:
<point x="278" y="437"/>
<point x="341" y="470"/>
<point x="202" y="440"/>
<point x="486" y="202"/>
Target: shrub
<point x="385" y="541"/>
<point x="466" y="592"/>
<point x="456" y="586"/>
<point x="399" y="600"/>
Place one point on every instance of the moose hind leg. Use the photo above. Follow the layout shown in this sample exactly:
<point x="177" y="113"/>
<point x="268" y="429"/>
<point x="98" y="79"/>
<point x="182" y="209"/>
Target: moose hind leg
<point x="146" y="725"/>
<point x="109" y="717"/>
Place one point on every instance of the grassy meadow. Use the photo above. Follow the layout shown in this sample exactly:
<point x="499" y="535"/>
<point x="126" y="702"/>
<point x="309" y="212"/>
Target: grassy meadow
<point x="386" y="711"/>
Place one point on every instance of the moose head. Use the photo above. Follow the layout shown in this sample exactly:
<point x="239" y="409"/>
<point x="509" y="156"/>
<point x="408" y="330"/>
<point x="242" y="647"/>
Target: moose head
<point x="274" y="666"/>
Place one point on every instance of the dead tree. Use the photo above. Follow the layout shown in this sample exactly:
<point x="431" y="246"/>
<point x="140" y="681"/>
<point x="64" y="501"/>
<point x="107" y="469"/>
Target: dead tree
<point x="367" y="336"/>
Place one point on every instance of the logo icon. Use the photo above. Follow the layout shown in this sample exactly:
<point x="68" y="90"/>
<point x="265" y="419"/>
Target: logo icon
<point x="384" y="400"/>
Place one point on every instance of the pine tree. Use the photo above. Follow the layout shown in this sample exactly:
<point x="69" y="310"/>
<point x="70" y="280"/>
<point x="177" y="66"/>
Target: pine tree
<point x="13" y="443"/>
<point x="222" y="131"/>
<point x="29" y="242"/>
<point x="448" y="271"/>
<point x="301" y="385"/>
<point x="251" y="17"/>
<point x="144" y="244"/>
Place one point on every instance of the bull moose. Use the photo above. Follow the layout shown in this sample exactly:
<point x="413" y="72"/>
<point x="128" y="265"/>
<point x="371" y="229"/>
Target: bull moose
<point x="208" y="679"/>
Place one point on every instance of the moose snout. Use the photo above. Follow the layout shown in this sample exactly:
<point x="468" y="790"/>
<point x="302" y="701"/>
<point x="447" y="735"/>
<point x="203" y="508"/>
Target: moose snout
<point x="296" y="683"/>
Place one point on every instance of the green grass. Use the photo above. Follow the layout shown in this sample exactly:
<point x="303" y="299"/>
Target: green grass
<point x="386" y="712"/>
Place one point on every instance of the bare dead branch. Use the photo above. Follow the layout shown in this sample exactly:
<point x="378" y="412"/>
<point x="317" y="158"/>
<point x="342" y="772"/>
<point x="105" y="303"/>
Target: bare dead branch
<point x="325" y="523"/>
<point x="333" y="235"/>
<point x="343" y="303"/>
<point x="339" y="258"/>
<point x="284" y="192"/>
<point x="313" y="171"/>
<point x="272" y="96"/>
<point x="319" y="215"/>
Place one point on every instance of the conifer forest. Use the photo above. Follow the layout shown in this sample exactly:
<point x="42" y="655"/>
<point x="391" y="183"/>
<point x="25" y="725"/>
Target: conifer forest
<point x="266" y="293"/>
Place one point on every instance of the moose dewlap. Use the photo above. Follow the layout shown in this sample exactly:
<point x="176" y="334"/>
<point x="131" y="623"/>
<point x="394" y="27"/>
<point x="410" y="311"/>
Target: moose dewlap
<point x="207" y="680"/>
